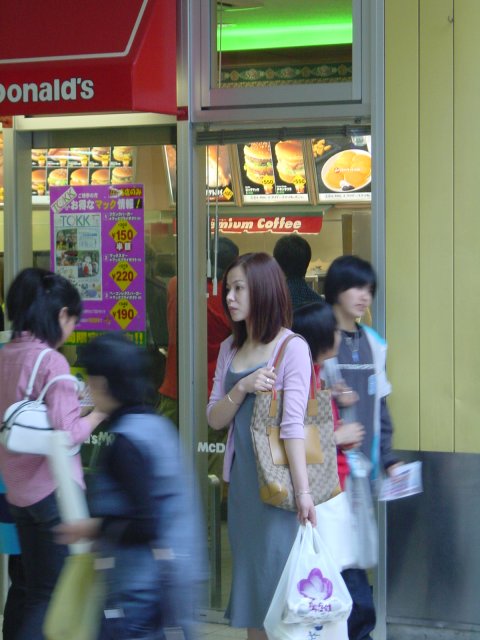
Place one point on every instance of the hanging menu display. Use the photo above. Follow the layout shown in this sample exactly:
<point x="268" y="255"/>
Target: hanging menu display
<point x="98" y="243"/>
<point x="219" y="174"/>
<point x="273" y="172"/>
<point x="343" y="167"/>
<point x="79" y="166"/>
<point x="219" y="186"/>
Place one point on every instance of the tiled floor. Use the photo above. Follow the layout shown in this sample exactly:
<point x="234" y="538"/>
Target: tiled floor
<point x="209" y="631"/>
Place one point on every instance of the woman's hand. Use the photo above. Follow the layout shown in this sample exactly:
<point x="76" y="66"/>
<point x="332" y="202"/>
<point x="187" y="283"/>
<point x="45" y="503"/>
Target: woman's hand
<point x="393" y="469"/>
<point x="306" y="509"/>
<point x="70" y="532"/>
<point x="260" y="380"/>
<point x="349" y="435"/>
<point x="344" y="396"/>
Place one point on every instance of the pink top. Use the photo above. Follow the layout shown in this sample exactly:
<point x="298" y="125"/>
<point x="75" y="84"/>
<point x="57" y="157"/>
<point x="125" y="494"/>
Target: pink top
<point x="27" y="477"/>
<point x="293" y="377"/>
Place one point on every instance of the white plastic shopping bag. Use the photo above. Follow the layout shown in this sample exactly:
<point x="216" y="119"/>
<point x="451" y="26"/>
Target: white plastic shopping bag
<point x="336" y="528"/>
<point x="359" y="494"/>
<point x="311" y="601"/>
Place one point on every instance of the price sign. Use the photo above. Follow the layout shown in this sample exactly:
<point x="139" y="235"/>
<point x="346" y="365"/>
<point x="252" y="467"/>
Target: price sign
<point x="98" y="243"/>
<point x="123" y="233"/>
<point x="123" y="313"/>
<point x="123" y="274"/>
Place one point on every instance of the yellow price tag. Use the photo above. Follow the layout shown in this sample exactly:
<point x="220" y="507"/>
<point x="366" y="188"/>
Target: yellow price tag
<point x="123" y="313"/>
<point x="123" y="274"/>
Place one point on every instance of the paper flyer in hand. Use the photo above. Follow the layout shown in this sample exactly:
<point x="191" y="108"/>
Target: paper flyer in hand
<point x="406" y="481"/>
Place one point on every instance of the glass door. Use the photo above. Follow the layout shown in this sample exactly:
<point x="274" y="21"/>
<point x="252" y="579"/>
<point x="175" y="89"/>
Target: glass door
<point x="116" y="241"/>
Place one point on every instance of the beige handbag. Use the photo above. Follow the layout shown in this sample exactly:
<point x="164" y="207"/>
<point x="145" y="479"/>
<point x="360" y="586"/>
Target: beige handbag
<point x="275" y="481"/>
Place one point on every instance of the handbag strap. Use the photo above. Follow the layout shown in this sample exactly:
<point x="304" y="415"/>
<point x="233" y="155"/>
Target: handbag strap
<point x="33" y="375"/>
<point x="65" y="376"/>
<point x="312" y="408"/>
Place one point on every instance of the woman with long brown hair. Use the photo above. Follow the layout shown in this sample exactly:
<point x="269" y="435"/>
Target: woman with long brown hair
<point x="257" y="301"/>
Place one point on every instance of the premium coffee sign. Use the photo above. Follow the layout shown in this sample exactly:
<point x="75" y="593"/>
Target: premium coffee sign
<point x="273" y="172"/>
<point x="273" y="224"/>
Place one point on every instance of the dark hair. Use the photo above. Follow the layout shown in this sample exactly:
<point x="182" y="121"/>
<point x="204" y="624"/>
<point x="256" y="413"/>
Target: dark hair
<point x="270" y="304"/>
<point x="227" y="252"/>
<point x="316" y="322"/>
<point x="347" y="272"/>
<point x="293" y="254"/>
<point x="34" y="301"/>
<point x="125" y="366"/>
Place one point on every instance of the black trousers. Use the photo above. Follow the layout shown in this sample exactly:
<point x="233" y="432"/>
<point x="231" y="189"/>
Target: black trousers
<point x="362" y="618"/>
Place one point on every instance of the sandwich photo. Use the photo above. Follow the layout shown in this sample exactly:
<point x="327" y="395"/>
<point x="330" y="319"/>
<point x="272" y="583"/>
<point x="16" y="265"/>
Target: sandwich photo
<point x="80" y="155"/>
<point x="59" y="156"/>
<point x="38" y="181"/>
<point x="290" y="160"/>
<point x="258" y="161"/>
<point x="57" y="178"/>
<point x="122" y="175"/>
<point x="123" y="155"/>
<point x="39" y="157"/>
<point x="79" y="177"/>
<point x="100" y="177"/>
<point x="102" y="155"/>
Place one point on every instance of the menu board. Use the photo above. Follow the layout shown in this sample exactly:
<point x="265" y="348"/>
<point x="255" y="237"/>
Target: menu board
<point x="98" y="243"/>
<point x="219" y="174"/>
<point x="343" y="165"/>
<point x="80" y="166"/>
<point x="219" y="185"/>
<point x="273" y="172"/>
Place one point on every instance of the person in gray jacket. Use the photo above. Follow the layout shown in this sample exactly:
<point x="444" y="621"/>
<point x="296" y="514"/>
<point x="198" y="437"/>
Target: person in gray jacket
<point x="350" y="286"/>
<point x="144" y="514"/>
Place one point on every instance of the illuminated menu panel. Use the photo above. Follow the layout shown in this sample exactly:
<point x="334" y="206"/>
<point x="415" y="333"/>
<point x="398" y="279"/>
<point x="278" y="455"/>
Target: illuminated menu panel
<point x="81" y="166"/>
<point x="219" y="174"/>
<point x="343" y="167"/>
<point x="219" y="184"/>
<point x="273" y="172"/>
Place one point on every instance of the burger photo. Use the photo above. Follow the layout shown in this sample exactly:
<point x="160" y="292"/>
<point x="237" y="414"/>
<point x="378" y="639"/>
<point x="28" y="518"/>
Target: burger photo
<point x="80" y="155"/>
<point x="258" y="161"/>
<point x="122" y="175"/>
<point x="79" y="177"/>
<point x="39" y="157"/>
<point x="218" y="167"/>
<point x="100" y="177"/>
<point x="57" y="178"/>
<point x="123" y="155"/>
<point x="102" y="155"/>
<point x="59" y="156"/>
<point x="38" y="181"/>
<point x="290" y="163"/>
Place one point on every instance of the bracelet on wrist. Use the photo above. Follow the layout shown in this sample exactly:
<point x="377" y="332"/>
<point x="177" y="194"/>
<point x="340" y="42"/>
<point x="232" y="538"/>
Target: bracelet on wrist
<point x="302" y="493"/>
<point x="232" y="401"/>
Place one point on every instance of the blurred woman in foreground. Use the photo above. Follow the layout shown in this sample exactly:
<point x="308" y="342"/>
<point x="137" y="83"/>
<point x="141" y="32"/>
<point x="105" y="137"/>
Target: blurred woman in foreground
<point x="141" y="499"/>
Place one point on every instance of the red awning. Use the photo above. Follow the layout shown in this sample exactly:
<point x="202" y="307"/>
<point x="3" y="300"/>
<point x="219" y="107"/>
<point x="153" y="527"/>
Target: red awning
<point x="72" y="56"/>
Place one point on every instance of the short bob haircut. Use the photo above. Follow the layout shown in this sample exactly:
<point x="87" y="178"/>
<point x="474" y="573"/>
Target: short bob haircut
<point x="270" y="304"/>
<point x="125" y="366"/>
<point x="34" y="301"/>
<point x="347" y="272"/>
<point x="316" y="322"/>
<point x="293" y="254"/>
